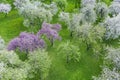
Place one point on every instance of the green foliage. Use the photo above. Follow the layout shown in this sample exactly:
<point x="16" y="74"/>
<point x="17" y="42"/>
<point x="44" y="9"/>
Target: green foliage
<point x="61" y="4"/>
<point x="70" y="51"/>
<point x="3" y="1"/>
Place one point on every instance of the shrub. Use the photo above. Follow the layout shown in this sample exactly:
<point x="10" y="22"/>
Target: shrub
<point x="112" y="26"/>
<point x="26" y="42"/>
<point x="50" y="31"/>
<point x="70" y="51"/>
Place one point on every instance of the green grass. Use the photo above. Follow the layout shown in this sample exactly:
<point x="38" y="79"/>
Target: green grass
<point x="11" y="25"/>
<point x="88" y="66"/>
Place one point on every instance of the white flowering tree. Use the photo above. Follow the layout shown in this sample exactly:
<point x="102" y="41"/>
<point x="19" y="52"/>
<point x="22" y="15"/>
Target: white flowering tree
<point x="11" y="67"/>
<point x="5" y="8"/>
<point x="35" y="12"/>
<point x="108" y="74"/>
<point x="86" y="2"/>
<point x="111" y="66"/>
<point x="71" y="20"/>
<point x="40" y="64"/>
<point x="113" y="56"/>
<point x="114" y="8"/>
<point x="20" y="3"/>
<point x="35" y="67"/>
<point x="101" y="11"/>
<point x="70" y="52"/>
<point x="92" y="36"/>
<point x="112" y="26"/>
<point x="88" y="14"/>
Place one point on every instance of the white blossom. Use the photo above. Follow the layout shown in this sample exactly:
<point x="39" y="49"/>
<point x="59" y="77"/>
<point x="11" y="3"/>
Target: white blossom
<point x="114" y="8"/>
<point x="86" y="2"/>
<point x="108" y="74"/>
<point x="88" y="14"/>
<point x="36" y="12"/>
<point x="11" y="67"/>
<point x="101" y="10"/>
<point x="5" y="8"/>
<point x="116" y="1"/>
<point x="39" y="60"/>
<point x="71" y="20"/>
<point x="112" y="26"/>
<point x="113" y="56"/>
<point x="20" y="3"/>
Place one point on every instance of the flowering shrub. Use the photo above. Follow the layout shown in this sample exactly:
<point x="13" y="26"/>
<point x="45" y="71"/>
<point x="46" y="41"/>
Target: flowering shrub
<point x="101" y="10"/>
<point x="114" y="8"/>
<point x="11" y="67"/>
<point x="112" y="60"/>
<point x="64" y="16"/>
<point x="26" y="42"/>
<point x="91" y="36"/>
<point x="35" y="67"/>
<point x="20" y="3"/>
<point x="108" y="74"/>
<point x="50" y="31"/>
<point x="88" y="14"/>
<point x="5" y="8"/>
<point x="71" y="52"/>
<point x="35" y="12"/>
<point x="40" y="64"/>
<point x="2" y="43"/>
<point x="112" y="26"/>
<point x="86" y="2"/>
<point x="113" y="56"/>
<point x="71" y="20"/>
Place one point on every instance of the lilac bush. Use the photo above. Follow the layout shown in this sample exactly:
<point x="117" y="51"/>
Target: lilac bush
<point x="26" y="42"/>
<point x="50" y="31"/>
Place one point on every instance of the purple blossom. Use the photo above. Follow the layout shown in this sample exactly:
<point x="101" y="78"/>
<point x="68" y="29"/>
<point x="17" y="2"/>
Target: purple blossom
<point x="50" y="31"/>
<point x="26" y="42"/>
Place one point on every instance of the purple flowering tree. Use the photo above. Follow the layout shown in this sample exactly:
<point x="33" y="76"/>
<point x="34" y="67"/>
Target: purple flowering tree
<point x="26" y="42"/>
<point x="50" y="31"/>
